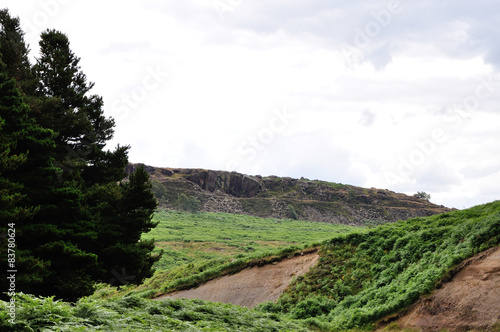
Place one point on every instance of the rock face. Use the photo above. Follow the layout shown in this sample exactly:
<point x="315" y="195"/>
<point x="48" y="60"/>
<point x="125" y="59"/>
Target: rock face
<point x="234" y="184"/>
<point x="231" y="192"/>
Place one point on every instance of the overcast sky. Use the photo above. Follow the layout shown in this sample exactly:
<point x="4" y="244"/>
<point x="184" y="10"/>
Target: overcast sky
<point x="403" y="95"/>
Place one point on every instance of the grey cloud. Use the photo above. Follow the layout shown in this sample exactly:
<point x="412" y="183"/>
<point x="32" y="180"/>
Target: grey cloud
<point x="367" y="118"/>
<point x="426" y="22"/>
<point x="475" y="171"/>
<point x="333" y="23"/>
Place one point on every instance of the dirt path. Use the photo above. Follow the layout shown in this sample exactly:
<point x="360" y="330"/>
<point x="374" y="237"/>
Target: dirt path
<point x="251" y="286"/>
<point x="470" y="300"/>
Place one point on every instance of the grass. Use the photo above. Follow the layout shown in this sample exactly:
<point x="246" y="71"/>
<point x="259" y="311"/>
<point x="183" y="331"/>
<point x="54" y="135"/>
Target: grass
<point x="334" y="185"/>
<point x="190" y="238"/>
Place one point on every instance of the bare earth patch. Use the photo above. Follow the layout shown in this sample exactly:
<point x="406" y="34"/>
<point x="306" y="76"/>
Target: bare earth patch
<point x="251" y="286"/>
<point x="470" y="300"/>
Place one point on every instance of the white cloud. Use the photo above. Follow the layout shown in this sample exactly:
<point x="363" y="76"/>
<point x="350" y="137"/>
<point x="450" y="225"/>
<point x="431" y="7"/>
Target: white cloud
<point x="356" y="120"/>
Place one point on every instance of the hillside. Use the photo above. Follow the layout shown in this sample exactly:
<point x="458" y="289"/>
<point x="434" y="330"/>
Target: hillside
<point x="412" y="273"/>
<point x="362" y="278"/>
<point x="469" y="300"/>
<point x="272" y="196"/>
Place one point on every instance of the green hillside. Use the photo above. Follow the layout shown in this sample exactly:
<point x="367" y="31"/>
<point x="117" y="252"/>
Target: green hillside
<point x="199" y="247"/>
<point x="361" y="277"/>
<point x="188" y="238"/>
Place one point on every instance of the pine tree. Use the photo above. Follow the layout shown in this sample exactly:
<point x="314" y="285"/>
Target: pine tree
<point x="125" y="213"/>
<point x="121" y="213"/>
<point x="27" y="183"/>
<point x="10" y="156"/>
<point x="78" y="118"/>
<point x="78" y="221"/>
<point x="52" y="226"/>
<point x="15" y="51"/>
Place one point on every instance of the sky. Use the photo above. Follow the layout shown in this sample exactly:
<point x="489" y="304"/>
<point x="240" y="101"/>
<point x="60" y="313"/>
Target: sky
<point x="399" y="95"/>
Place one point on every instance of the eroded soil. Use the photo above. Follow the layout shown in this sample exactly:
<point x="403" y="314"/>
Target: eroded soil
<point x="251" y="286"/>
<point x="470" y="300"/>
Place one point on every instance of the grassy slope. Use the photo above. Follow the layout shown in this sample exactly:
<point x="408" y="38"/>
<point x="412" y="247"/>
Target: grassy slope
<point x="191" y="238"/>
<point x="193" y="243"/>
<point x="362" y="277"/>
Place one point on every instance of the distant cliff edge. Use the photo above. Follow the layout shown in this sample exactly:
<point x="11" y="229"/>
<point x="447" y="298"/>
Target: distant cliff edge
<point x="283" y="197"/>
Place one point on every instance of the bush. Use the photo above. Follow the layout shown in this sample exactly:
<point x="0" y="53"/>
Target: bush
<point x="422" y="195"/>
<point x="312" y="307"/>
<point x="189" y="204"/>
<point x="292" y="214"/>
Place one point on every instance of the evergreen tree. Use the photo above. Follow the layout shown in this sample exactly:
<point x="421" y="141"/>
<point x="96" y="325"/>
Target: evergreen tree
<point x="23" y="143"/>
<point x="125" y="213"/>
<point x="77" y="221"/>
<point x="12" y="124"/>
<point x="77" y="117"/>
<point x="14" y="52"/>
<point x="27" y="181"/>
<point x="120" y="214"/>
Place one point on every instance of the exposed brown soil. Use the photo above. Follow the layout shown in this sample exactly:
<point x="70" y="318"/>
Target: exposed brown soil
<point x="470" y="300"/>
<point x="251" y="286"/>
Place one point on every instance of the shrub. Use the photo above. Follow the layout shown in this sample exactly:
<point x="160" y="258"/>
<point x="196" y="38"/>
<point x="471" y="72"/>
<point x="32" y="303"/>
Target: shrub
<point x="189" y="204"/>
<point x="312" y="307"/>
<point x="292" y="214"/>
<point x="422" y="195"/>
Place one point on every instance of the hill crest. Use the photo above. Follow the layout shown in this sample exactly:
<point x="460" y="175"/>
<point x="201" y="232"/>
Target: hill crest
<point x="284" y="197"/>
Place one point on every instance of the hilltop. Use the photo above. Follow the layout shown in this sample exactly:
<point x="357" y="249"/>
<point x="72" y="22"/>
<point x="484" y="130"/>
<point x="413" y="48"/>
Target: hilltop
<point x="284" y="197"/>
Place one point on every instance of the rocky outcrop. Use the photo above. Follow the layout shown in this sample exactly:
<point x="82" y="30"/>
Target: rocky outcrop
<point x="234" y="184"/>
<point x="272" y="196"/>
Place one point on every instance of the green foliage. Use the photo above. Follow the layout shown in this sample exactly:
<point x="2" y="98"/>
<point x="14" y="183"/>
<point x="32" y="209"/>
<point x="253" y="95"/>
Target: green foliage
<point x="422" y="195"/>
<point x="189" y="204"/>
<point x="159" y="191"/>
<point x="366" y="276"/>
<point x="14" y="52"/>
<point x="187" y="238"/>
<point x="77" y="225"/>
<point x="125" y="212"/>
<point x="312" y="307"/>
<point x="136" y="314"/>
<point x="292" y="214"/>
